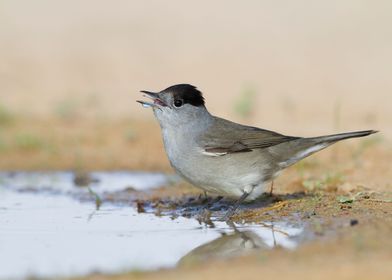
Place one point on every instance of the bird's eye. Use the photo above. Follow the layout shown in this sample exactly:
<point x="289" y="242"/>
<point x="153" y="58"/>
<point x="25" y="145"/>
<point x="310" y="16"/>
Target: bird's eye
<point x="178" y="103"/>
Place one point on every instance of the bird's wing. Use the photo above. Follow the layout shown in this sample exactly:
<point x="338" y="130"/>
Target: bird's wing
<point x="225" y="137"/>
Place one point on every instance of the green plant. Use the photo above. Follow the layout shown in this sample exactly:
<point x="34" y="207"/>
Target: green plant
<point x="244" y="106"/>
<point x="327" y="181"/>
<point x="66" y="109"/>
<point x="3" y="144"/>
<point x="130" y="135"/>
<point x="26" y="141"/>
<point x="6" y="117"/>
<point x="365" y="144"/>
<point x="98" y="200"/>
<point x="305" y="165"/>
<point x="345" y="199"/>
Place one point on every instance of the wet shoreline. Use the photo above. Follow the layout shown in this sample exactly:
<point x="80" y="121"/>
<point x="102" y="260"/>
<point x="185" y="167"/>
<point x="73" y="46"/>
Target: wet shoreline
<point x="53" y="228"/>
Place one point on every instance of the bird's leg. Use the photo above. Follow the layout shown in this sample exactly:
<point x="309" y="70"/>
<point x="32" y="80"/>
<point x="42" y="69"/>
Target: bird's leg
<point x="203" y="198"/>
<point x="214" y="200"/>
<point x="271" y="188"/>
<point x="234" y="207"/>
<point x="210" y="205"/>
<point x="273" y="234"/>
<point x="233" y="226"/>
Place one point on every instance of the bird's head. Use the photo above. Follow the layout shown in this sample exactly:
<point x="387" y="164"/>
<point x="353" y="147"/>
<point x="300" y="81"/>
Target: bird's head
<point x="176" y="105"/>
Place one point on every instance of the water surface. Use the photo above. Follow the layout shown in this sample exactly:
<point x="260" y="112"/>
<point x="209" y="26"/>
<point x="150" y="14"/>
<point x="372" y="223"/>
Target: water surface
<point x="48" y="234"/>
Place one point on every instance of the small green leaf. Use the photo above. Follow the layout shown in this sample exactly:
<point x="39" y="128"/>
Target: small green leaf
<point x="98" y="200"/>
<point x="345" y="199"/>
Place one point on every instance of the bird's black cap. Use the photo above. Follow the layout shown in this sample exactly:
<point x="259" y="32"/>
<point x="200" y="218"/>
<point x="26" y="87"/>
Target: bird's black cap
<point x="187" y="93"/>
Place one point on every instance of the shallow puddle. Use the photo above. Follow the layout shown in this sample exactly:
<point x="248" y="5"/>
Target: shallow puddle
<point x="48" y="234"/>
<point x="64" y="182"/>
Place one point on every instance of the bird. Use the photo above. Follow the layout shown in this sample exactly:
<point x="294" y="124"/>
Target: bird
<point x="223" y="157"/>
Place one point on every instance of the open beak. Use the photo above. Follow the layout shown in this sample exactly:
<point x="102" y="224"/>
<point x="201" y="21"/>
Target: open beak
<point x="157" y="101"/>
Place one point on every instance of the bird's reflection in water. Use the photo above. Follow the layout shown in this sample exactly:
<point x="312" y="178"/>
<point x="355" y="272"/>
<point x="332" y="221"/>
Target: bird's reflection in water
<point x="230" y="245"/>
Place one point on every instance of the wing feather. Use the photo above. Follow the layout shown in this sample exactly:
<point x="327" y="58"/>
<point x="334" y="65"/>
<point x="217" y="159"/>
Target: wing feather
<point x="225" y="137"/>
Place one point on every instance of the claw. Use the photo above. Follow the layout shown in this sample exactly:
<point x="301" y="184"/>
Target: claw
<point x="230" y="213"/>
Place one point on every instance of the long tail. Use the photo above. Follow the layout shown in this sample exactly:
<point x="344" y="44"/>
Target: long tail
<point x="342" y="136"/>
<point x="292" y="151"/>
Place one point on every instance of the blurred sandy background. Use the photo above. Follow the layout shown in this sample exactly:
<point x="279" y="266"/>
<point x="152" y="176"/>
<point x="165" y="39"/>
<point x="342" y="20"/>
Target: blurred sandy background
<point x="71" y="71"/>
<point x="297" y="67"/>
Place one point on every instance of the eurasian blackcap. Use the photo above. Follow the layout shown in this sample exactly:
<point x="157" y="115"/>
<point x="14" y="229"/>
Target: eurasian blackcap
<point x="221" y="156"/>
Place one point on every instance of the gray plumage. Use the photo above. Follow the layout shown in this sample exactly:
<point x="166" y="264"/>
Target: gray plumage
<point x="221" y="156"/>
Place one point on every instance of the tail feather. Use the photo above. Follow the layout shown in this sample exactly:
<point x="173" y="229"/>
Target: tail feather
<point x="293" y="151"/>
<point x="342" y="136"/>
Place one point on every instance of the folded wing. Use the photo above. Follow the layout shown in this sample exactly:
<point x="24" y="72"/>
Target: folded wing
<point x="225" y="137"/>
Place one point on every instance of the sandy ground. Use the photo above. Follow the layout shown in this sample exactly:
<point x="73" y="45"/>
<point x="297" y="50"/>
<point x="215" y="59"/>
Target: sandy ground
<point x="81" y="144"/>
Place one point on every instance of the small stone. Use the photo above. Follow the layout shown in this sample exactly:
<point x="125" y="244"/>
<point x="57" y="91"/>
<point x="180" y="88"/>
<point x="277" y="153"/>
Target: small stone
<point x="83" y="179"/>
<point x="140" y="207"/>
<point x="346" y="188"/>
<point x="353" y="222"/>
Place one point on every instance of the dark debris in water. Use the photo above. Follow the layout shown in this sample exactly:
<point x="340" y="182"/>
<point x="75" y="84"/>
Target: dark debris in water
<point x="140" y="207"/>
<point x="207" y="209"/>
<point x="201" y="208"/>
<point x="83" y="179"/>
<point x="204" y="217"/>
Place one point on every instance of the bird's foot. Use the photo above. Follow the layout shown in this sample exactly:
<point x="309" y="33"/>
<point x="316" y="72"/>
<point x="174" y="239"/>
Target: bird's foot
<point x="213" y="201"/>
<point x="229" y="214"/>
<point x="271" y="188"/>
